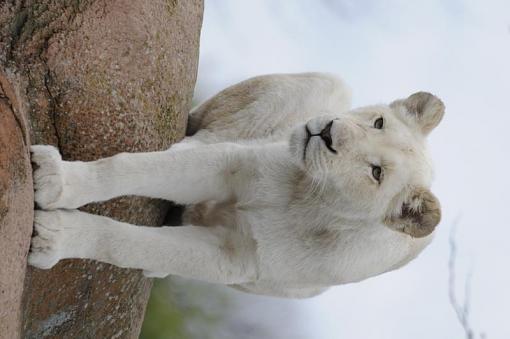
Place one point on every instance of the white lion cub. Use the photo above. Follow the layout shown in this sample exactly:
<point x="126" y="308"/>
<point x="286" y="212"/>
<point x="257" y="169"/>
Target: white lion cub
<point x="287" y="191"/>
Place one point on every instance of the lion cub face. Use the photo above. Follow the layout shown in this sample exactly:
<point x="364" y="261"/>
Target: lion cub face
<point x="374" y="160"/>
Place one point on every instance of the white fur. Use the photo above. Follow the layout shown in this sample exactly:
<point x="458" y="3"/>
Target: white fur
<point x="260" y="217"/>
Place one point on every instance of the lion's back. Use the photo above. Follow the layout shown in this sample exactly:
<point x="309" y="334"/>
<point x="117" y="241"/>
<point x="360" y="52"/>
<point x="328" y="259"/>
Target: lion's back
<point x="268" y="106"/>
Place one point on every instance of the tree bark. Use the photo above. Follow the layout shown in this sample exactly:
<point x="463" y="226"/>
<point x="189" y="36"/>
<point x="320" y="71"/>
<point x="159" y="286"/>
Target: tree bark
<point x="93" y="78"/>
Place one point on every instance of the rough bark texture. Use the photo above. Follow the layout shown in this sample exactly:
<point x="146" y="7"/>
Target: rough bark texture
<point x="94" y="78"/>
<point x="16" y="208"/>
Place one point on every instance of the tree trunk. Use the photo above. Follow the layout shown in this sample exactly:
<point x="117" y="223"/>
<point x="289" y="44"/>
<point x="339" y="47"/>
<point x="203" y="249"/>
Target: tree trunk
<point x="93" y="78"/>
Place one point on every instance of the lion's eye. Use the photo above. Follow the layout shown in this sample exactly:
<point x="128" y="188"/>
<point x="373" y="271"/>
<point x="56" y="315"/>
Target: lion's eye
<point x="377" y="172"/>
<point x="379" y="123"/>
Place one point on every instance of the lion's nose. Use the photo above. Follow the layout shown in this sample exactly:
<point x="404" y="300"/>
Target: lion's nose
<point x="325" y="134"/>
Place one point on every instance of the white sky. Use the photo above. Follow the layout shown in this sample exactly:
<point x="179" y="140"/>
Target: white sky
<point x="459" y="50"/>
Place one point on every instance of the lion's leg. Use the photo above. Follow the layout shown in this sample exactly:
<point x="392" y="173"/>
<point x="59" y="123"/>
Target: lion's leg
<point x="212" y="254"/>
<point x="184" y="175"/>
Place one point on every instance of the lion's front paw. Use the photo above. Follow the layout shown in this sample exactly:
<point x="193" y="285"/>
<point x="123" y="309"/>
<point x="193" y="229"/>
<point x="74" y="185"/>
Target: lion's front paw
<point x="48" y="177"/>
<point x="47" y="240"/>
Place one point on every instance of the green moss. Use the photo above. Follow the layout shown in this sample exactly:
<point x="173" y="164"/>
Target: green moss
<point x="184" y="310"/>
<point x="170" y="6"/>
<point x="163" y="320"/>
<point x="3" y="207"/>
<point x="74" y="4"/>
<point x="97" y="82"/>
<point x="166" y="120"/>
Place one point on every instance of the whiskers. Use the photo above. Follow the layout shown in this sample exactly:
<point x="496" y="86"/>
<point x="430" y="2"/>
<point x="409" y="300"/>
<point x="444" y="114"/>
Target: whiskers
<point x="317" y="174"/>
<point x="317" y="184"/>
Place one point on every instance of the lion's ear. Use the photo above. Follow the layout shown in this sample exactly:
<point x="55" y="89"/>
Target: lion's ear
<point x="425" y="109"/>
<point x="418" y="216"/>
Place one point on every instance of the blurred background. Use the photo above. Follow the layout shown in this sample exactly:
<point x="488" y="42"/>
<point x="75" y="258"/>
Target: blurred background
<point x="458" y="50"/>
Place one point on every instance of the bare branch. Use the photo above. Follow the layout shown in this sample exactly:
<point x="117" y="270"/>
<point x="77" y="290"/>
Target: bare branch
<point x="462" y="310"/>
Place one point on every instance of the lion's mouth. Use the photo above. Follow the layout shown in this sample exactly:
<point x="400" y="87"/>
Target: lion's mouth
<point x="307" y="140"/>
